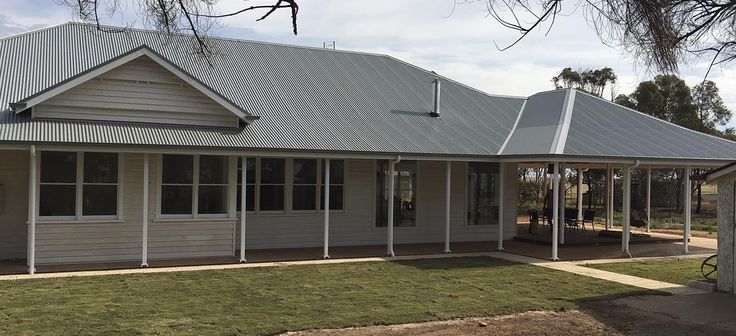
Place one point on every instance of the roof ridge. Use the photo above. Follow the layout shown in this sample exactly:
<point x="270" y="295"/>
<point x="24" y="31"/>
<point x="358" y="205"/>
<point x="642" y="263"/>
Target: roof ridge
<point x="37" y="30"/>
<point x="563" y="128"/>
<point x="653" y="117"/>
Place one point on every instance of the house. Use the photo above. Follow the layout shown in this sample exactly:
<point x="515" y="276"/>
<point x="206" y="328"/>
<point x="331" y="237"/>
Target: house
<point x="118" y="146"/>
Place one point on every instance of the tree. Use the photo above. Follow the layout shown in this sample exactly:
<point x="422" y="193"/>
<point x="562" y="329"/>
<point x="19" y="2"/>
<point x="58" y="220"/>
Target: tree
<point x="660" y="34"/>
<point x="709" y="105"/>
<point x="591" y="81"/>
<point x="176" y="16"/>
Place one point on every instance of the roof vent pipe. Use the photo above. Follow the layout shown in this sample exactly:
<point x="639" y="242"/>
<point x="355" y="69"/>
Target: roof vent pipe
<point x="435" y="98"/>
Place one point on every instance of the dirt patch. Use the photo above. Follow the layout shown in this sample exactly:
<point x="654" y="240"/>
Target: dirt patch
<point x="529" y="323"/>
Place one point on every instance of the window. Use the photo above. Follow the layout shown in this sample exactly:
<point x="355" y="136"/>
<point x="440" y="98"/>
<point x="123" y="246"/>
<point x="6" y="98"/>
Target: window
<point x="272" y="184"/>
<point x="58" y="184"/>
<point x="100" y="185"/>
<point x="250" y="185"/>
<point x="304" y="189"/>
<point x="69" y="177"/>
<point x="186" y="178"/>
<point x="337" y="183"/>
<point x="212" y="190"/>
<point x="177" y="184"/>
<point x="404" y="194"/>
<point x="482" y="193"/>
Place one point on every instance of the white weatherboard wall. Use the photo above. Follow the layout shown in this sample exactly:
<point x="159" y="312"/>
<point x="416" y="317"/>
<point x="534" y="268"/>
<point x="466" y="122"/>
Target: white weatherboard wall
<point x="59" y="242"/>
<point x="13" y="204"/>
<point x="138" y="91"/>
<point x="355" y="225"/>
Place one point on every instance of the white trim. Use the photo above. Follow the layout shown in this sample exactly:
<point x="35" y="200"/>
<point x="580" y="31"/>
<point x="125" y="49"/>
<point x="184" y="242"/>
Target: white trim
<point x="243" y="205"/>
<point x="448" y="199"/>
<point x="626" y="225"/>
<point x="32" y="199"/>
<point x="143" y="51"/>
<point x="144" y="242"/>
<point x="558" y="143"/>
<point x="501" y="178"/>
<point x="326" y="248"/>
<point x="390" y="209"/>
<point x="555" y="209"/>
<point x="513" y="129"/>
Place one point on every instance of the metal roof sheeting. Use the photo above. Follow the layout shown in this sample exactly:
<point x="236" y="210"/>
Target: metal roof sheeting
<point x="601" y="128"/>
<point x="307" y="98"/>
<point x="324" y="100"/>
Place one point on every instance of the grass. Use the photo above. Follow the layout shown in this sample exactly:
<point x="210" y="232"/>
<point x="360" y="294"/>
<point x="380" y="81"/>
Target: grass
<point x="677" y="271"/>
<point x="272" y="300"/>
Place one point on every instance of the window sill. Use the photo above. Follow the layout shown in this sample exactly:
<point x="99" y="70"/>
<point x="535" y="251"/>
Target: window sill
<point x="200" y="219"/>
<point x="78" y="221"/>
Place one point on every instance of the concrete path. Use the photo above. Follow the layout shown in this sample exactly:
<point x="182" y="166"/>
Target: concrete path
<point x="573" y="267"/>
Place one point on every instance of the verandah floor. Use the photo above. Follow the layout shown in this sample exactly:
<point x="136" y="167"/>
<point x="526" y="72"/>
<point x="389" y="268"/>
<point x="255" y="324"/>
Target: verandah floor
<point x="537" y="250"/>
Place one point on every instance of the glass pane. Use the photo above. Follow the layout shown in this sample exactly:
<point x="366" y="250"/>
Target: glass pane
<point x="58" y="167"/>
<point x="304" y="197"/>
<point x="482" y="198"/>
<point x="212" y="169"/>
<point x="99" y="200"/>
<point x="336" y="197"/>
<point x="251" y="171"/>
<point x="305" y="171"/>
<point x="212" y="200"/>
<point x="337" y="171"/>
<point x="100" y="167"/>
<point x="404" y="194"/>
<point x="272" y="171"/>
<point x="272" y="197"/>
<point x="57" y="200"/>
<point x="250" y="202"/>
<point x="176" y="200"/>
<point x="177" y="169"/>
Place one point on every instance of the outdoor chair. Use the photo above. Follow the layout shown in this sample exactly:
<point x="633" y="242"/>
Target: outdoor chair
<point x="637" y="221"/>
<point x="571" y="218"/>
<point x="588" y="217"/>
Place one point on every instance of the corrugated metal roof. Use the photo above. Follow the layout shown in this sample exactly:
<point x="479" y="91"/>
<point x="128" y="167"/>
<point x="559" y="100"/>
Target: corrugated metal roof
<point x="599" y="127"/>
<point x="307" y="98"/>
<point x="312" y="99"/>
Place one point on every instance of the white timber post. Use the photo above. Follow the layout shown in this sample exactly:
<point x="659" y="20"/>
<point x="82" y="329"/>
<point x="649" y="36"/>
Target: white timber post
<point x="561" y="213"/>
<point x="555" y="209"/>
<point x="611" y="199"/>
<point x="649" y="199"/>
<point x="626" y="226"/>
<point x="580" y="194"/>
<point x="687" y="206"/>
<point x="32" y="214"/>
<point x="326" y="251"/>
<point x="448" y="179"/>
<point x="243" y="205"/>
<point x="144" y="244"/>
<point x="390" y="233"/>
<point x="501" y="178"/>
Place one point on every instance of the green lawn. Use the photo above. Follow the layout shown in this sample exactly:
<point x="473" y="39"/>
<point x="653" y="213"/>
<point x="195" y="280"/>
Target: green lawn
<point x="271" y="300"/>
<point x="677" y="271"/>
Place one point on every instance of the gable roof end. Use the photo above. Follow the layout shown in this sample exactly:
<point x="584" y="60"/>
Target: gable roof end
<point x="143" y="50"/>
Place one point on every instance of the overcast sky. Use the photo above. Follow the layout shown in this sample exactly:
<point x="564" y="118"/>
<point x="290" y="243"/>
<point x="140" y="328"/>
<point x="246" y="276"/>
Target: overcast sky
<point x="458" y="44"/>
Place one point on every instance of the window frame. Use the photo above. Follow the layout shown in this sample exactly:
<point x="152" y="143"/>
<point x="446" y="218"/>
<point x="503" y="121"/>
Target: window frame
<point x="418" y="173"/>
<point x="317" y="180"/>
<point x="229" y="212"/>
<point x="497" y="194"/>
<point x="79" y="191"/>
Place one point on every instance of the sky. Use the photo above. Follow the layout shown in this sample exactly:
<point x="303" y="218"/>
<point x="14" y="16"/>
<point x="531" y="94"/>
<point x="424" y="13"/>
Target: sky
<point x="454" y="38"/>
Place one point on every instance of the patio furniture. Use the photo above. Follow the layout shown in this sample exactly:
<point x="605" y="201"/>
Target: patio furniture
<point x="547" y="216"/>
<point x="637" y="221"/>
<point x="533" y="221"/>
<point x="571" y="218"/>
<point x="588" y="217"/>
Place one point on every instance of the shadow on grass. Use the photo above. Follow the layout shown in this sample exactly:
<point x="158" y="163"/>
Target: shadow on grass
<point x="455" y="263"/>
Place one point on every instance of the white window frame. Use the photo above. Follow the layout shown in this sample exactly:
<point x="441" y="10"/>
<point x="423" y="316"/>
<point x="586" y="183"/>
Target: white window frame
<point x="195" y="191"/>
<point x="79" y="192"/>
<point x="467" y="198"/>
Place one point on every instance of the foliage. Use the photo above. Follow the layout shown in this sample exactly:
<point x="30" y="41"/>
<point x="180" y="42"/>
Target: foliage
<point x="659" y="34"/>
<point x="271" y="300"/>
<point x="591" y="81"/>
